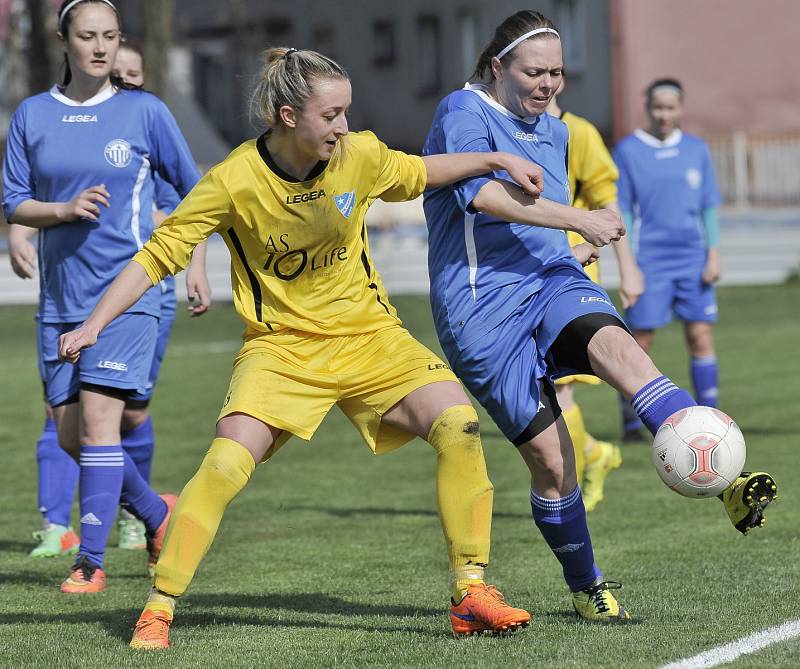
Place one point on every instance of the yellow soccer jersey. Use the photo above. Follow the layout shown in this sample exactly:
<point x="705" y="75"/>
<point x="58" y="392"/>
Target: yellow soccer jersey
<point x="299" y="250"/>
<point x="592" y="173"/>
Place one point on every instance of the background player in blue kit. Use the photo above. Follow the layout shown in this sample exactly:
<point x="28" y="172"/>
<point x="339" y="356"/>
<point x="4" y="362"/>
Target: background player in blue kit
<point x="513" y="308"/>
<point x="668" y="196"/>
<point x="79" y="165"/>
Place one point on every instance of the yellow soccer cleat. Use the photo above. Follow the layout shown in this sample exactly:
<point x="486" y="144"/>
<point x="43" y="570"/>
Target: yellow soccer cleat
<point x="484" y="609"/>
<point x="597" y="604"/>
<point x="594" y="473"/>
<point x="747" y="498"/>
<point x="152" y="630"/>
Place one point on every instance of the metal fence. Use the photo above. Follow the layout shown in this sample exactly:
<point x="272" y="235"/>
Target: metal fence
<point x="758" y="169"/>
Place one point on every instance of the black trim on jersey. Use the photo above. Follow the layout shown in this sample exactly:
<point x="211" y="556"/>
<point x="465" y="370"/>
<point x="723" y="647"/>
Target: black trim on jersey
<point x="269" y="161"/>
<point x="578" y="187"/>
<point x="367" y="269"/>
<point x="255" y="287"/>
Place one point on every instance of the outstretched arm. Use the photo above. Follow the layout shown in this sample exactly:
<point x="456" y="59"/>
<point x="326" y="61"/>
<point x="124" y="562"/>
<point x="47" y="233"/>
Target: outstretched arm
<point x="509" y="203"/>
<point x="122" y="294"/>
<point x="447" y="168"/>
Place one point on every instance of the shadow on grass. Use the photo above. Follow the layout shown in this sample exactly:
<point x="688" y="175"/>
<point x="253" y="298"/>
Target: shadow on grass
<point x="26" y="577"/>
<point x="375" y="511"/>
<point x="572" y="617"/>
<point x="119" y="623"/>
<point x="16" y="546"/>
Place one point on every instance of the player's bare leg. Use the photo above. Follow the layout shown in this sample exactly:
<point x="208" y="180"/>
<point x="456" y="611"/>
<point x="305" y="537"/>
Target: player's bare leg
<point x="441" y="413"/>
<point x="632" y="429"/>
<point x="559" y="513"/>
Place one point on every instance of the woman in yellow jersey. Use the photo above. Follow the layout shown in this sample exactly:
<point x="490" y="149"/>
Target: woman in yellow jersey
<point x="593" y="185"/>
<point x="319" y="328"/>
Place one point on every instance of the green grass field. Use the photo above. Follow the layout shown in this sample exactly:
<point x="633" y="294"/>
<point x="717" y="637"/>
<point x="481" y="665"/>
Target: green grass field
<point x="334" y="557"/>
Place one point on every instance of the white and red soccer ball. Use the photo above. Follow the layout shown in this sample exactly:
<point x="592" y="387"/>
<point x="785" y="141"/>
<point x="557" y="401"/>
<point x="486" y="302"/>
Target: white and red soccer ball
<point x="699" y="451"/>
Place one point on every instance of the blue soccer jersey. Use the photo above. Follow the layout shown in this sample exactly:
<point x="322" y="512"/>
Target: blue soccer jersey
<point x="57" y="148"/>
<point x="482" y="268"/>
<point x="666" y="185"/>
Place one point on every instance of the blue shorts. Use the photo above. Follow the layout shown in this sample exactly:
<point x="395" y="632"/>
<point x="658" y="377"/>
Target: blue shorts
<point x="688" y="297"/>
<point x="503" y="368"/>
<point x="165" y="323"/>
<point x="120" y="359"/>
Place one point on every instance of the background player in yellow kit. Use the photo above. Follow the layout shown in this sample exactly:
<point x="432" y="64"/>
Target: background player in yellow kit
<point x="593" y="185"/>
<point x="319" y="329"/>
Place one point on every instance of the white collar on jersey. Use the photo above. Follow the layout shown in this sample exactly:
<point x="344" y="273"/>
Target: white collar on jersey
<point x="482" y="92"/>
<point x="673" y="139"/>
<point x="106" y="94"/>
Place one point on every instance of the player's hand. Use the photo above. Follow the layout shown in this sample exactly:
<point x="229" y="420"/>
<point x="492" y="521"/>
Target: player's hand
<point x="585" y="254"/>
<point x="711" y="271"/>
<point x="71" y="343"/>
<point x="198" y="291"/>
<point x="85" y="204"/>
<point x="528" y="175"/>
<point x="23" y="257"/>
<point x="631" y="285"/>
<point x="601" y="227"/>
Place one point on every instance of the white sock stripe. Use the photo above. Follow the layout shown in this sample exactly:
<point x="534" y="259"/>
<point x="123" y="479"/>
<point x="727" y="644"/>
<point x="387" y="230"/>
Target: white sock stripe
<point x="710" y="360"/>
<point x="101" y="456"/>
<point x="647" y="401"/>
<point x="645" y="397"/>
<point x="644" y="394"/>
<point x="666" y="391"/>
<point x="555" y="504"/>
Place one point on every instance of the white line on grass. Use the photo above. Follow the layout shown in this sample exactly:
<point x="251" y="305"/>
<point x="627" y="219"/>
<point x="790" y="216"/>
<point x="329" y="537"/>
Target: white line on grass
<point x="744" y="646"/>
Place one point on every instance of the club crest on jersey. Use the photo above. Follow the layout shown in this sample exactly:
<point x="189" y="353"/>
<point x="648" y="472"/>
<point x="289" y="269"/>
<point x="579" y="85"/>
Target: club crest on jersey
<point x="344" y="203"/>
<point x="118" y="153"/>
<point x="694" y="178"/>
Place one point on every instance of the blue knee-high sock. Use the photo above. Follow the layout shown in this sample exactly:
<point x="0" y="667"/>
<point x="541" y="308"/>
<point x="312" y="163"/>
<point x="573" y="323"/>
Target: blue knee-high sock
<point x="562" y="523"/>
<point x="139" y="443"/>
<point x="630" y="419"/>
<point x="58" y="477"/>
<point x="658" y="400"/>
<point x="704" y="380"/>
<point x="140" y="499"/>
<point x="101" y="482"/>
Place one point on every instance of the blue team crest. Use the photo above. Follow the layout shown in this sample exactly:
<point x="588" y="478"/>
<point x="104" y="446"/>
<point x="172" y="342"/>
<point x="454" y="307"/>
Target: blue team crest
<point x="118" y="153"/>
<point x="344" y="203"/>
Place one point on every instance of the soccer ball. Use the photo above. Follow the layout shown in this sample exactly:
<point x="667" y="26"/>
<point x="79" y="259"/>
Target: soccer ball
<point x="699" y="451"/>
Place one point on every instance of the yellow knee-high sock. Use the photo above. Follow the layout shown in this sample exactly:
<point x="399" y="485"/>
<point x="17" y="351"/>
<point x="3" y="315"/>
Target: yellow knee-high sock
<point x="577" y="431"/>
<point x="464" y="495"/>
<point x="225" y="470"/>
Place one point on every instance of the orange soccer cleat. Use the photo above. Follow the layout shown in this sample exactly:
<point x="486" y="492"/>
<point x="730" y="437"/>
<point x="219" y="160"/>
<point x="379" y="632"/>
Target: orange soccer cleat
<point x="156" y="540"/>
<point x="483" y="609"/>
<point x="152" y="630"/>
<point x="85" y="578"/>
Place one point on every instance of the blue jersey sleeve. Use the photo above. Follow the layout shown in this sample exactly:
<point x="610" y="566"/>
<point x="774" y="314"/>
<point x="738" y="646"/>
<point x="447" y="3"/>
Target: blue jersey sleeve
<point x="166" y="197"/>
<point x="711" y="194"/>
<point x="170" y="153"/>
<point x="625" y="193"/>
<point x="17" y="180"/>
<point x="466" y="131"/>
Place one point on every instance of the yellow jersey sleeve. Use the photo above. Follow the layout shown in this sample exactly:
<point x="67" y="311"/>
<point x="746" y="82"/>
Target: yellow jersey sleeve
<point x="207" y="209"/>
<point x="592" y="172"/>
<point x="400" y="176"/>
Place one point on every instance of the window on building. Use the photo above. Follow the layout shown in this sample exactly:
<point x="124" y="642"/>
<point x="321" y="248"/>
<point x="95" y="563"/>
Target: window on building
<point x="429" y="63"/>
<point x="571" y="23"/>
<point x="384" y="45"/>
<point x="323" y="39"/>
<point x="469" y="32"/>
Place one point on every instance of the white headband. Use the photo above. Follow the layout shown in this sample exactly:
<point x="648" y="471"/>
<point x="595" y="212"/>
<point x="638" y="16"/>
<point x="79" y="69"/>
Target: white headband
<point x="538" y="31"/>
<point x="77" y="2"/>
<point x="667" y="87"/>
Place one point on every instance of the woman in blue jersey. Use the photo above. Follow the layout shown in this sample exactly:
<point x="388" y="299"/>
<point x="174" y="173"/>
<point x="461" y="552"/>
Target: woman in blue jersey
<point x="79" y="166"/>
<point x="668" y="196"/>
<point x="512" y="307"/>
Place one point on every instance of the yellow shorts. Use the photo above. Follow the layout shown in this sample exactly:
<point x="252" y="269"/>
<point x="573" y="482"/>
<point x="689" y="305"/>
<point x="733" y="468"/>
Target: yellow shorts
<point x="291" y="380"/>
<point x="593" y="272"/>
